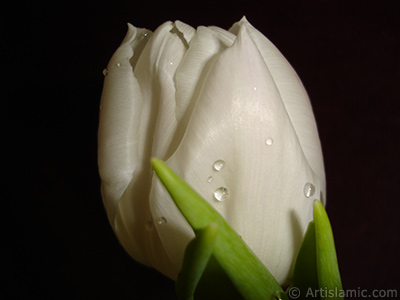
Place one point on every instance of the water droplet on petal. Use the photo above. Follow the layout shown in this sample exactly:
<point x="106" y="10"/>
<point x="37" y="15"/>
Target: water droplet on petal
<point x="145" y="34"/>
<point x="221" y="194"/>
<point x="171" y="63"/>
<point x="209" y="179"/>
<point x="161" y="221"/>
<point x="219" y="165"/>
<point x="269" y="141"/>
<point x="255" y="88"/>
<point x="149" y="225"/>
<point x="118" y="64"/>
<point x="105" y="72"/>
<point x="309" y="189"/>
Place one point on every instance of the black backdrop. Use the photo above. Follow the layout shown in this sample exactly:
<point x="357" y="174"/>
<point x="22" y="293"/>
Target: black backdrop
<point x="58" y="240"/>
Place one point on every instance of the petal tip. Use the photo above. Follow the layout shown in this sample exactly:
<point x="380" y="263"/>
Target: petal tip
<point x="131" y="33"/>
<point x="243" y="20"/>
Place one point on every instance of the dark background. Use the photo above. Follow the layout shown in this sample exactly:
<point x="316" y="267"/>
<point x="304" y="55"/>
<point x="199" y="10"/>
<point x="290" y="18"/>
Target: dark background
<point x="58" y="240"/>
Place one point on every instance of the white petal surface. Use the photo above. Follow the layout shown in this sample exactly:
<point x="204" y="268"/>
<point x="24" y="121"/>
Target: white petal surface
<point x="294" y="97"/>
<point x="204" y="48"/>
<point x="193" y="97"/>
<point x="154" y="71"/>
<point x="121" y="105"/>
<point x="238" y="109"/>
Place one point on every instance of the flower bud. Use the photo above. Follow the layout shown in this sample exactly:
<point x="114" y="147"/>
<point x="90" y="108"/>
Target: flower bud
<point x="228" y="113"/>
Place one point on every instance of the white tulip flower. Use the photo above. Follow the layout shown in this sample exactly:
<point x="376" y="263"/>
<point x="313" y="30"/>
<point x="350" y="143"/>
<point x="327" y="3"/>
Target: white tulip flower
<point x="228" y="113"/>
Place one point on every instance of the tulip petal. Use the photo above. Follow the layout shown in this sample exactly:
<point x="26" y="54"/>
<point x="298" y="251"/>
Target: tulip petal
<point x="294" y="96"/>
<point x="193" y="98"/>
<point x="204" y="48"/>
<point x="172" y="228"/>
<point x="130" y="103"/>
<point x="251" y="278"/>
<point x="238" y="110"/>
<point x="206" y="45"/>
<point x="187" y="31"/>
<point x="119" y="147"/>
<point x="154" y="71"/>
<point x="119" y="121"/>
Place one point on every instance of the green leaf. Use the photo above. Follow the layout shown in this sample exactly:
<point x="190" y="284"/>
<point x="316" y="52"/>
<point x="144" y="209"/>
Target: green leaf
<point x="215" y="284"/>
<point x="305" y="274"/>
<point x="278" y="295"/>
<point x="197" y="255"/>
<point x="248" y="274"/>
<point x="327" y="265"/>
